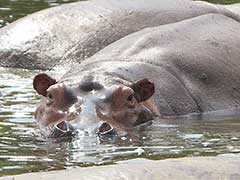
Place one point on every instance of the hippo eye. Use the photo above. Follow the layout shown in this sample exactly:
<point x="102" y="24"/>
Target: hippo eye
<point x="130" y="98"/>
<point x="50" y="96"/>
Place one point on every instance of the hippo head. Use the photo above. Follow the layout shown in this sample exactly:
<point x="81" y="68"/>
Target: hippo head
<point x="91" y="106"/>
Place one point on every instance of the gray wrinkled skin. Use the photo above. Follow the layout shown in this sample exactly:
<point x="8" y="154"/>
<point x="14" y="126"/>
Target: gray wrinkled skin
<point x="70" y="33"/>
<point x="193" y="63"/>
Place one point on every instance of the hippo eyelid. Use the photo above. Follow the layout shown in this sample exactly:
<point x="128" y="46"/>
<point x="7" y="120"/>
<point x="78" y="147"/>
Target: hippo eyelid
<point x="49" y="95"/>
<point x="50" y="98"/>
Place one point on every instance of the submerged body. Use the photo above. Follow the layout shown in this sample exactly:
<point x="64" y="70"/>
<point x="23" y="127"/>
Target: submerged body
<point x="70" y="33"/>
<point x="177" y="69"/>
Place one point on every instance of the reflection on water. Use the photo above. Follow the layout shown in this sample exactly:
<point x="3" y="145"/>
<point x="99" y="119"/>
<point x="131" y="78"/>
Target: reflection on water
<point x="22" y="148"/>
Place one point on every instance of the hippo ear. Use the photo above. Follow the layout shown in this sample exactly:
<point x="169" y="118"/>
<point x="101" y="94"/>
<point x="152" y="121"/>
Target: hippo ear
<point x="42" y="82"/>
<point x="143" y="89"/>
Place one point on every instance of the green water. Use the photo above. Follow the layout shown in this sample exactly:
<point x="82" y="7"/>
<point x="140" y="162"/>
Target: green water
<point x="22" y="148"/>
<point x="224" y="1"/>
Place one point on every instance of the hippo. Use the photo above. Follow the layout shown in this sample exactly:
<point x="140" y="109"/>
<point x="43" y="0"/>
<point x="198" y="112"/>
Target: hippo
<point x="72" y="32"/>
<point x="170" y="70"/>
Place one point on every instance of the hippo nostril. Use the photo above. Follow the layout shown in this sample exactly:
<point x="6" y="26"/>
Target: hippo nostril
<point x="62" y="126"/>
<point x="105" y="129"/>
<point x="62" y="129"/>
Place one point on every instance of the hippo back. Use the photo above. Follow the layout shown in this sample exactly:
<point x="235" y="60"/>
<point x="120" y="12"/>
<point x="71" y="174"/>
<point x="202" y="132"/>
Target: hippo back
<point x="72" y="32"/>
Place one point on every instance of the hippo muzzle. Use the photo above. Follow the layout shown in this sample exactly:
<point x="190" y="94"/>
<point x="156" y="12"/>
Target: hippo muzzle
<point x="106" y="111"/>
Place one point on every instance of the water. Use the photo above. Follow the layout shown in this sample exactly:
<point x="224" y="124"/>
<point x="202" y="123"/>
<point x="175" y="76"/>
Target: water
<point x="22" y="148"/>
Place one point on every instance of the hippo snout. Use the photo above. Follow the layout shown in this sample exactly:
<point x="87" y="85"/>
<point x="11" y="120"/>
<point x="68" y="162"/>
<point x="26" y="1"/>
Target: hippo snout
<point x="65" y="129"/>
<point x="88" y="106"/>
